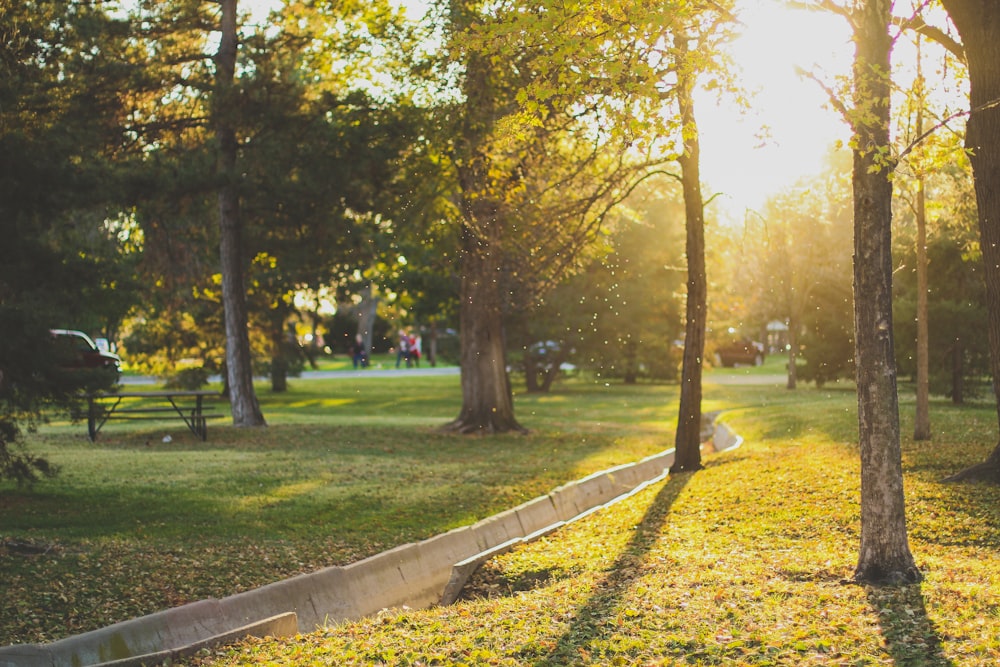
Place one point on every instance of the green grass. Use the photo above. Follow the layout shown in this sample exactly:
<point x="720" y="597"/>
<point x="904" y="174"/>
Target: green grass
<point x="746" y="562"/>
<point x="743" y="563"/>
<point x="347" y="468"/>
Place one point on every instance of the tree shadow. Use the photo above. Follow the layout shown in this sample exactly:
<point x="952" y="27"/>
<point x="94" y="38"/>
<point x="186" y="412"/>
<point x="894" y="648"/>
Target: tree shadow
<point x="588" y="624"/>
<point x="910" y="636"/>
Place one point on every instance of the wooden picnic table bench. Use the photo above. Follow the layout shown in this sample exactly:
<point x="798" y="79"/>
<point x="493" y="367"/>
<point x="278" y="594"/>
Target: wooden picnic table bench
<point x="187" y="405"/>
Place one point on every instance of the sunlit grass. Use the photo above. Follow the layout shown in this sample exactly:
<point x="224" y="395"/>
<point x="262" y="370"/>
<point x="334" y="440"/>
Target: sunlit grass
<point x="741" y="563"/>
<point x="746" y="562"/>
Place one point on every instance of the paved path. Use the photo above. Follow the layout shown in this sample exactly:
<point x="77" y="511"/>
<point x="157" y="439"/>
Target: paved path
<point x="389" y="372"/>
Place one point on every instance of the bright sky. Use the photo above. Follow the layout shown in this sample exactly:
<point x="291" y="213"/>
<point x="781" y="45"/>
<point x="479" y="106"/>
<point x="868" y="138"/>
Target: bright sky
<point x="737" y="160"/>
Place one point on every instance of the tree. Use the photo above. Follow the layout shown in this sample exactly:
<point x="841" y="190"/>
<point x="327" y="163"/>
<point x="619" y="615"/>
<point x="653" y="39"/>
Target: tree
<point x="563" y="113"/>
<point x="927" y="154"/>
<point x="239" y="362"/>
<point x="321" y="154"/>
<point x="688" y="437"/>
<point x="936" y="231"/>
<point x="541" y="148"/>
<point x="978" y="23"/>
<point x="884" y="554"/>
<point x="957" y="319"/>
<point x="60" y="129"/>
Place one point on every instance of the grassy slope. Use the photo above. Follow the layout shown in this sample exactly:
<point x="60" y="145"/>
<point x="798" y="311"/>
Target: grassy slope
<point x="743" y="563"/>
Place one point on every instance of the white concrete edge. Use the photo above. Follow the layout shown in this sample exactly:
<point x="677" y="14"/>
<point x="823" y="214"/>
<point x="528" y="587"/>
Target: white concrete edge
<point x="282" y="625"/>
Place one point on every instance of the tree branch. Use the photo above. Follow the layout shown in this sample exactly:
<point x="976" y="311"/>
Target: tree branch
<point x="831" y="94"/>
<point x="934" y="33"/>
<point x="982" y="107"/>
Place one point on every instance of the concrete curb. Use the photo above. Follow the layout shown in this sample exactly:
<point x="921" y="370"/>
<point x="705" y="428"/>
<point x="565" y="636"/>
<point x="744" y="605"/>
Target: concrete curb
<point x="415" y="575"/>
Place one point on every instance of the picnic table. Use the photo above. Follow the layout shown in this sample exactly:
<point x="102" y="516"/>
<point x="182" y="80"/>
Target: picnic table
<point x="187" y="405"/>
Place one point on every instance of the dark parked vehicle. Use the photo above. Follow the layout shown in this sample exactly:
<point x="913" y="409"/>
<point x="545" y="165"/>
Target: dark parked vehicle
<point x="743" y="352"/>
<point x="77" y="350"/>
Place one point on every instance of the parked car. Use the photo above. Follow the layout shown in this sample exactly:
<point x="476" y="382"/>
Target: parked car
<point x="744" y="352"/>
<point x="77" y="350"/>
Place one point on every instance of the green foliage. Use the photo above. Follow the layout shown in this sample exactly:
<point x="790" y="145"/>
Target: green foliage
<point x="827" y="341"/>
<point x="58" y="130"/>
<point x="794" y="265"/>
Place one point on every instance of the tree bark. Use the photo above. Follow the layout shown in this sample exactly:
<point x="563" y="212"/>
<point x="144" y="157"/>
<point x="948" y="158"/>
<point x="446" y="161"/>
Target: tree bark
<point x="884" y="555"/>
<point x="279" y="351"/>
<point x="922" y="420"/>
<point x="978" y="23"/>
<point x="688" y="438"/>
<point x="239" y="363"/>
<point x="487" y="399"/>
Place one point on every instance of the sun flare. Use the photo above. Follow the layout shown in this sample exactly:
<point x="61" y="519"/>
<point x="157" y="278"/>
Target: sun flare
<point x="790" y="127"/>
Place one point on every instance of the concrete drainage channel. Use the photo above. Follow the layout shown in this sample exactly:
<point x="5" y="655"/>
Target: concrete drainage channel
<point x="415" y="575"/>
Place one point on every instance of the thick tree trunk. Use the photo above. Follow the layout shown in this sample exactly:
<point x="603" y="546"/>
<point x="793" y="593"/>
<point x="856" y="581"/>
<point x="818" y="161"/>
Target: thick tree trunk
<point x="239" y="366"/>
<point x="487" y="400"/>
<point x="884" y="552"/>
<point x="688" y="439"/>
<point x="978" y="23"/>
<point x="531" y="374"/>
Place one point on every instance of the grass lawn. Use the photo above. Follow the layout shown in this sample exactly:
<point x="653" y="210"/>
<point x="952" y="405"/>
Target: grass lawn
<point x="347" y="468"/>
<point x="742" y="563"/>
<point x="746" y="562"/>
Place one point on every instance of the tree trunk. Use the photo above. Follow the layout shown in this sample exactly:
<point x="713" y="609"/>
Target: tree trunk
<point x="432" y="345"/>
<point x="279" y="352"/>
<point x="958" y="372"/>
<point x="978" y="23"/>
<point x="688" y="440"/>
<point x="531" y="373"/>
<point x="239" y="363"/>
<point x="487" y="400"/>
<point x="922" y="421"/>
<point x="630" y="353"/>
<point x="793" y="352"/>
<point x="884" y="555"/>
<point x="367" y="311"/>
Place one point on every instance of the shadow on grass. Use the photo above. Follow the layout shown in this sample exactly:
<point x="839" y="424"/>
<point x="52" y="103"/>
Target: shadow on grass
<point x="588" y="624"/>
<point x="910" y="636"/>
